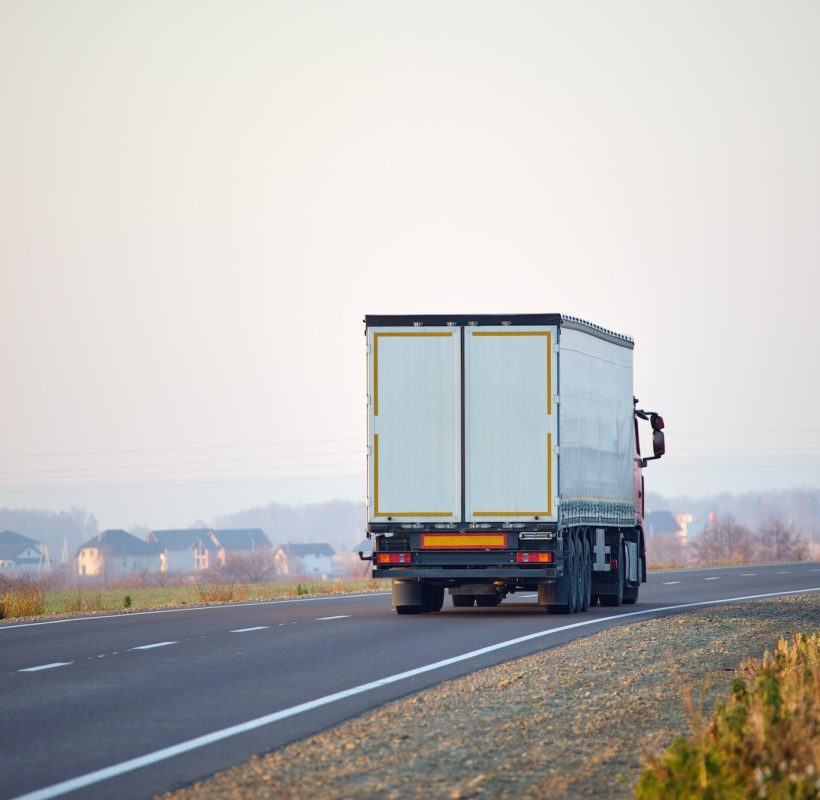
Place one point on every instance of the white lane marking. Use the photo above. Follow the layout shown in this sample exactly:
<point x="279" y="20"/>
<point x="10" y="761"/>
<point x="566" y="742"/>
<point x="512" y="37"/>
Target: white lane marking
<point x="338" y="616"/>
<point x="748" y="574"/>
<point x="247" y="630"/>
<point x="669" y="583"/>
<point x="152" y="646"/>
<point x="90" y="778"/>
<point x="814" y="570"/>
<point x="46" y="666"/>
<point x="784" y="572"/>
<point x="528" y="595"/>
<point x="195" y="608"/>
<point x="714" y="578"/>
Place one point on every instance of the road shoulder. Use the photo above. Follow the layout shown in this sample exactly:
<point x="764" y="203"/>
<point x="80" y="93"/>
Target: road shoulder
<point x="575" y="720"/>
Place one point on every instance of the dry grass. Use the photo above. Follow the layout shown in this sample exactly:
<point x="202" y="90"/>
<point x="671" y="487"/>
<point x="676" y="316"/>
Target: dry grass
<point x="21" y="599"/>
<point x="221" y="593"/>
<point x="42" y="598"/>
<point x="84" y="604"/>
<point x="763" y="741"/>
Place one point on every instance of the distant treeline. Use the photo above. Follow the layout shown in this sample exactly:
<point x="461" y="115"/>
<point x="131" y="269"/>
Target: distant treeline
<point x="800" y="508"/>
<point x="341" y="524"/>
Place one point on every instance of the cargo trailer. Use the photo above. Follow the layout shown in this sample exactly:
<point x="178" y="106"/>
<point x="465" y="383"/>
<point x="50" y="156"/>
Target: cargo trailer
<point x="503" y="455"/>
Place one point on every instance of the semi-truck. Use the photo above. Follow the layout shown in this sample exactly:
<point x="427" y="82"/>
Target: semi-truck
<point x="503" y="455"/>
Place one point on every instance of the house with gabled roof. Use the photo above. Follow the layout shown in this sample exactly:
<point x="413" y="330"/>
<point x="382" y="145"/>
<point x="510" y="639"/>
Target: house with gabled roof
<point x="310" y="560"/>
<point x="196" y="549"/>
<point x="186" y="549"/>
<point x="19" y="553"/>
<point x="241" y="539"/>
<point x="117" y="552"/>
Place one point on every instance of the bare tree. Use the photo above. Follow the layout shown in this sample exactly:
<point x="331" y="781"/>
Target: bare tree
<point x="665" y="549"/>
<point x="255" y="566"/>
<point x="778" y="541"/>
<point x="725" y="541"/>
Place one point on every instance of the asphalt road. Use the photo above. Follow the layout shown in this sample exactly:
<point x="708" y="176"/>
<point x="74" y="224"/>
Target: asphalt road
<point x="134" y="704"/>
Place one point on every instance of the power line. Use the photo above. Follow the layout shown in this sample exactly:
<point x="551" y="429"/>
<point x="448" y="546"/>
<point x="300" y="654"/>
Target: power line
<point x="102" y="476"/>
<point x="56" y="471"/>
<point x="725" y="432"/>
<point x="174" y="449"/>
<point x="173" y="484"/>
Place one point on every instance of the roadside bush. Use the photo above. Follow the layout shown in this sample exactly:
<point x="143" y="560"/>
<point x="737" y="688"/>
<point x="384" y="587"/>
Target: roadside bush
<point x="220" y="592"/>
<point x="21" y="599"/>
<point x="83" y="604"/>
<point x="763" y="741"/>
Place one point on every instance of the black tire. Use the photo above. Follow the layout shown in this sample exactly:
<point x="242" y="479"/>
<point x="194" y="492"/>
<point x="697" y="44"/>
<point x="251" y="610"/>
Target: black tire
<point x="571" y="572"/>
<point x="586" y="576"/>
<point x="463" y="600"/>
<point x="487" y="600"/>
<point x="593" y="600"/>
<point x="432" y="599"/>
<point x="614" y="600"/>
<point x="631" y="592"/>
<point x="408" y="609"/>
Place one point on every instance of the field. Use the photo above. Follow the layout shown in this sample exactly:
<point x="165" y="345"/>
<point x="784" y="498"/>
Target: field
<point x="26" y="599"/>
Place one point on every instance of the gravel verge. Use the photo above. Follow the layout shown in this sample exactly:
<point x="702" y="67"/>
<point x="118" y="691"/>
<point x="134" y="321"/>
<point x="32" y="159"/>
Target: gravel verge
<point x="577" y="720"/>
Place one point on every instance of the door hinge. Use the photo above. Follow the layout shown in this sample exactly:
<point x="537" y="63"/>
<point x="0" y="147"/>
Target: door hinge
<point x="368" y="349"/>
<point x="557" y="399"/>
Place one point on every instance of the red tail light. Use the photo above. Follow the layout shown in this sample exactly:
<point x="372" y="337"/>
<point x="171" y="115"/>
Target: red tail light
<point x="613" y="564"/>
<point x="394" y="558"/>
<point x="534" y="558"/>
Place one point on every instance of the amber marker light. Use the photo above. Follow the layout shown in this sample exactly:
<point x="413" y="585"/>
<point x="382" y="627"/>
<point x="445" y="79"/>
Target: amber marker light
<point x="535" y="558"/>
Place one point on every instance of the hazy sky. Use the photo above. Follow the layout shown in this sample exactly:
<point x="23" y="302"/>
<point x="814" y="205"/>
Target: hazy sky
<point x="200" y="201"/>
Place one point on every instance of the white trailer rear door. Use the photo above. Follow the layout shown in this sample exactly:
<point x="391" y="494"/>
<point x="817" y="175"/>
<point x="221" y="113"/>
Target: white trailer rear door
<point x="510" y="423"/>
<point x="414" y="424"/>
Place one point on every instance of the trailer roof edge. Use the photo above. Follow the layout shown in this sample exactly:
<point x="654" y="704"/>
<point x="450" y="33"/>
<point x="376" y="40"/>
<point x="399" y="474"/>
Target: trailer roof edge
<point x="561" y="320"/>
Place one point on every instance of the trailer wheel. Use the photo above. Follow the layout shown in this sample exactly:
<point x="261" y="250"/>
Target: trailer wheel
<point x="572" y="574"/>
<point x="408" y="609"/>
<point x="631" y="592"/>
<point x="586" y="576"/>
<point x="463" y="600"/>
<point x="617" y="598"/>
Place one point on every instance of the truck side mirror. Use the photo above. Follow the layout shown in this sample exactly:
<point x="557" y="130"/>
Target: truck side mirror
<point x="658" y="443"/>
<point x="656" y="421"/>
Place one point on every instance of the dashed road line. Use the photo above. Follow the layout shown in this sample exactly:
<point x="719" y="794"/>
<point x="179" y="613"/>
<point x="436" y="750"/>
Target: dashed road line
<point x="713" y="578"/>
<point x="248" y="630"/>
<point x="669" y="583"/>
<point x="152" y="646"/>
<point x="338" y="616"/>
<point x="748" y="574"/>
<point x="784" y="572"/>
<point x="46" y="666"/>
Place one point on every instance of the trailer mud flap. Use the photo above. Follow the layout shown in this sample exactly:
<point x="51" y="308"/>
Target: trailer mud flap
<point x="553" y="594"/>
<point x="632" y="562"/>
<point x="406" y="593"/>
